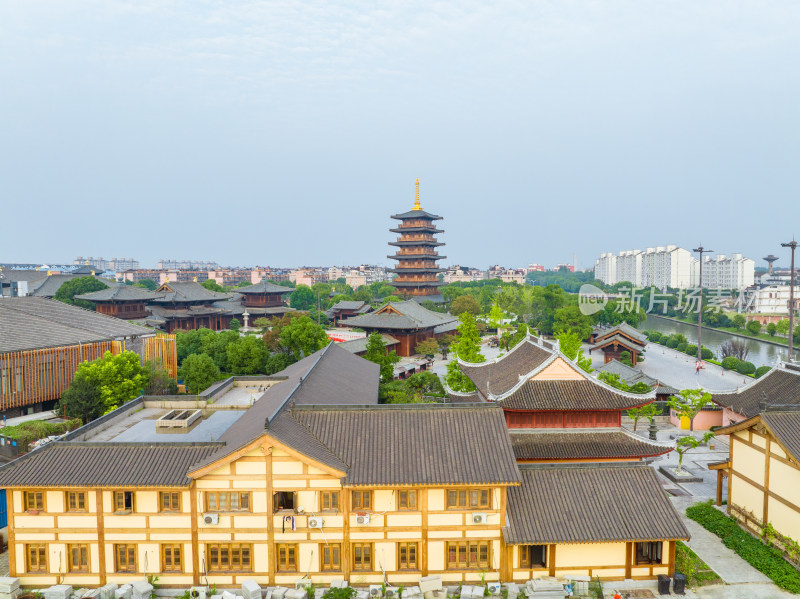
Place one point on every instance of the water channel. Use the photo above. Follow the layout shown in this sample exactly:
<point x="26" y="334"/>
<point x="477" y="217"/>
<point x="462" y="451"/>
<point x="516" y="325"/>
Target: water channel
<point x="760" y="353"/>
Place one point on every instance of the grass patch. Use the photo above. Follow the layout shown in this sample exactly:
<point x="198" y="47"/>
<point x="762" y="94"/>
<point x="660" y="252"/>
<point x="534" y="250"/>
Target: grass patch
<point x="697" y="572"/>
<point x="32" y="430"/>
<point x="765" y="559"/>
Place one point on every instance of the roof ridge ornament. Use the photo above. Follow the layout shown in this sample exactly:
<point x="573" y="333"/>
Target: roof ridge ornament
<point x="416" y="198"/>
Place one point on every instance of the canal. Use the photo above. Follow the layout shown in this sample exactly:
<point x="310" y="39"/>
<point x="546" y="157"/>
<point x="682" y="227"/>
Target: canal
<point x="760" y="353"/>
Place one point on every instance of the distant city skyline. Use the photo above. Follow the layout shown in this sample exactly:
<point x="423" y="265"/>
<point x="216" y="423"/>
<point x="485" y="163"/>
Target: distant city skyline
<point x="286" y="133"/>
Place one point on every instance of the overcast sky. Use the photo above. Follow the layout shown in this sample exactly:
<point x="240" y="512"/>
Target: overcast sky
<point x="286" y="133"/>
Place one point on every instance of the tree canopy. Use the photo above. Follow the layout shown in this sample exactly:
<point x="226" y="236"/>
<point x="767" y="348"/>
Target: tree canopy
<point x="198" y="372"/>
<point x="303" y="336"/>
<point x="78" y="286"/>
<point x="119" y="379"/>
<point x="376" y="352"/>
<point x="303" y="298"/>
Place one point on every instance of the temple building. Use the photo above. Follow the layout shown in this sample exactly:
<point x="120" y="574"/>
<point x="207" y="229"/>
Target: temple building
<point x="122" y="301"/>
<point x="416" y="270"/>
<point x="187" y="306"/>
<point x="262" y="300"/>
<point x="616" y="340"/>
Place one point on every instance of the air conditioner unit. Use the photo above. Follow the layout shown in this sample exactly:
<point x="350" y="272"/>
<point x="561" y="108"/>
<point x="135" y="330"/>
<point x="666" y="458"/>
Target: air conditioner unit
<point x="211" y="519"/>
<point x="315" y="522"/>
<point x="391" y="592"/>
<point x="198" y="593"/>
<point x="479" y="518"/>
<point x="375" y="590"/>
<point x="494" y="587"/>
<point x="363" y="519"/>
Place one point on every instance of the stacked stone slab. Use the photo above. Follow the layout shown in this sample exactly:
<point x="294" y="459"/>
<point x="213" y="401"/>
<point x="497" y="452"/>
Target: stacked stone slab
<point x="513" y="589"/>
<point x="251" y="590"/>
<point x="58" y="591"/>
<point x="141" y="589"/>
<point x="124" y="592"/>
<point x="544" y="588"/>
<point x="107" y="590"/>
<point x="9" y="587"/>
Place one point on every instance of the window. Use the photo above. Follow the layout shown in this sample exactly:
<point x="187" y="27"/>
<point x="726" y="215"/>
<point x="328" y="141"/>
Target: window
<point x="227" y="501"/>
<point x="36" y="557"/>
<point x="467" y="554"/>
<point x="406" y="500"/>
<point x="171" y="558"/>
<point x="34" y="500"/>
<point x="533" y="556"/>
<point x="125" y="558"/>
<point x="362" y="556"/>
<point x="76" y="501"/>
<point x="123" y="501"/>
<point x="283" y="500"/>
<point x="331" y="557"/>
<point x="287" y="557"/>
<point x="406" y="556"/>
<point x="648" y="552"/>
<point x="461" y="499"/>
<point x="362" y="500"/>
<point x="169" y="501"/>
<point x="329" y="500"/>
<point x="78" y="558"/>
<point x="229" y="557"/>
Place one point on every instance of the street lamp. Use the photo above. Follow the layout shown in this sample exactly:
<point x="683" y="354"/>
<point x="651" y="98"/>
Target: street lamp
<point x="793" y="245"/>
<point x="701" y="250"/>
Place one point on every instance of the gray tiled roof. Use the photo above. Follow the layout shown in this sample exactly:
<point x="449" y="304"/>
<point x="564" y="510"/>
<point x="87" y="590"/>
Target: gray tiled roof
<point x="502" y="374"/>
<point x="786" y="427"/>
<point x="624" y="328"/>
<point x="617" y="338"/>
<point x="67" y="464"/>
<point x="779" y="386"/>
<point x="357" y="346"/>
<point x="631" y="376"/>
<point x="187" y="292"/>
<point x="411" y="316"/>
<point x="264" y="287"/>
<point x="33" y="323"/>
<point x="543" y="395"/>
<point x="417" y="214"/>
<point x="348" y="305"/>
<point x="48" y="286"/>
<point x="590" y="504"/>
<point x="120" y="293"/>
<point x="574" y="444"/>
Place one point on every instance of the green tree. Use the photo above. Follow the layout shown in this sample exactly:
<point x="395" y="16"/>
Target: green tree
<point x="570" y="343"/>
<point x="212" y="285"/>
<point x="425" y="383"/>
<point x="376" y="352"/>
<point x="783" y="327"/>
<point x="277" y="362"/>
<point x="772" y="328"/>
<point x="465" y="303"/>
<point x="261" y="323"/>
<point x="235" y="325"/>
<point x="428" y="347"/>
<point x="244" y="284"/>
<point x="303" y="298"/>
<point x="78" y="286"/>
<point x="198" y="372"/>
<point x="625" y="358"/>
<point x="456" y="379"/>
<point x="496" y="317"/>
<point x="685" y="444"/>
<point x="445" y="341"/>
<point x="753" y="327"/>
<point x="570" y="318"/>
<point x="191" y="342"/>
<point x="119" y="378"/>
<point x="149" y="284"/>
<point x="159" y="380"/>
<point x="247" y="355"/>
<point x="467" y="347"/>
<point x="302" y="337"/>
<point x="738" y="321"/>
<point x="648" y="411"/>
<point x="689" y="403"/>
<point x="82" y="400"/>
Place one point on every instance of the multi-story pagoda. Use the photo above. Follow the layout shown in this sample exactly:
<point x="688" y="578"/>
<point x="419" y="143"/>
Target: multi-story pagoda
<point x="417" y="271"/>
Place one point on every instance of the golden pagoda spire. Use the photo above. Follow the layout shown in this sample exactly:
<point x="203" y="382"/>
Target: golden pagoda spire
<point x="416" y="201"/>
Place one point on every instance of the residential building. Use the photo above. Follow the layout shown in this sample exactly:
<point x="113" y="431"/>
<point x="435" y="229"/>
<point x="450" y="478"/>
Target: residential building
<point x="565" y="265"/>
<point x="463" y="274"/>
<point x="366" y="274"/>
<point x="170" y="264"/>
<point x="724" y="272"/>
<point x="535" y="268"/>
<point x="506" y="275"/>
<point x="771" y="300"/>
<point x="308" y="276"/>
<point x="115" y="264"/>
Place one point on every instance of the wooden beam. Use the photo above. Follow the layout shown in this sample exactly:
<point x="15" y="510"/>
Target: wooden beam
<point x="628" y="558"/>
<point x="101" y="536"/>
<point x="271" y="558"/>
<point x="765" y="508"/>
<point x="195" y="542"/>
<point x="671" y="565"/>
<point x="423" y="506"/>
<point x="551" y="560"/>
<point x="12" y="548"/>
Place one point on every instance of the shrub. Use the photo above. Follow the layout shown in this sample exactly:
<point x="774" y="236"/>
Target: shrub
<point x="33" y="430"/>
<point x="672" y="342"/>
<point x="746" y="368"/>
<point x="681" y="347"/>
<point x="654" y="336"/>
<point x="708" y="354"/>
<point x="696" y="570"/>
<point x="762" y="370"/>
<point x="764" y="558"/>
<point x="730" y="363"/>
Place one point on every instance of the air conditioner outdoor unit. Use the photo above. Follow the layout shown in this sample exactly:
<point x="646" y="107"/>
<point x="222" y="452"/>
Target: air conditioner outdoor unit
<point x="479" y="518"/>
<point x="363" y="519"/>
<point x="494" y="587"/>
<point x="315" y="522"/>
<point x="197" y="593"/>
<point x="211" y="519"/>
<point x="391" y="592"/>
<point x="375" y="590"/>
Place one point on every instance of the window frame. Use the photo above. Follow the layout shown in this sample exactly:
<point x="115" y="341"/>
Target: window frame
<point x="409" y="547"/>
<point x="466" y="546"/>
<point x="40" y="552"/>
<point x="123" y="549"/>
<point x="334" y="501"/>
<point x="287" y="565"/>
<point x="360" y="505"/>
<point x="467" y="493"/>
<point x="360" y="566"/>
<point x="125" y="509"/>
<point x="410" y="504"/>
<point x="38" y="501"/>
<point x="652" y="547"/>
<point x="169" y="505"/>
<point x="171" y="548"/>
<point x="83" y="549"/>
<point x="526" y="556"/>
<point x="332" y="549"/>
<point x="76" y="494"/>
<point x="232" y="549"/>
<point x="228" y="494"/>
<point x="276" y="494"/>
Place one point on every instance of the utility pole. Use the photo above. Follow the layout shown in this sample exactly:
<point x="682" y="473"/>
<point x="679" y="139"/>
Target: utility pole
<point x="793" y="245"/>
<point x="701" y="250"/>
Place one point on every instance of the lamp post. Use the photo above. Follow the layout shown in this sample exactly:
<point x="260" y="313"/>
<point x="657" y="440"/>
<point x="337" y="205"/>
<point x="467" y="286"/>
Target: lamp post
<point x="701" y="250"/>
<point x="793" y="245"/>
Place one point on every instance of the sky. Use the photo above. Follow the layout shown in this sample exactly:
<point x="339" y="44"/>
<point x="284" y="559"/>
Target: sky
<point x="285" y="133"/>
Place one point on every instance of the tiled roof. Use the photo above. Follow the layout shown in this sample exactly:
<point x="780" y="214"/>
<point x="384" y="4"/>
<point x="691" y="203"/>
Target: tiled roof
<point x="417" y="214"/>
<point x="63" y="464"/>
<point x="187" y="292"/>
<point x="264" y="287"/>
<point x="409" y="315"/>
<point x="356" y="346"/>
<point x="590" y="504"/>
<point x="623" y="328"/>
<point x="631" y="376"/>
<point x="347" y="305"/>
<point x="503" y="373"/>
<point x="34" y="322"/>
<point x="780" y="386"/>
<point x="786" y="428"/>
<point x="542" y="395"/>
<point x="474" y="397"/>
<point x="616" y="338"/>
<point x="417" y="443"/>
<point x="120" y="293"/>
<point x="576" y="444"/>
<point x="47" y="286"/>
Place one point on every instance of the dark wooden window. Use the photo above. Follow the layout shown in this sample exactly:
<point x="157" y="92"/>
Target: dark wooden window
<point x="462" y="499"/>
<point x="227" y="501"/>
<point x="229" y="557"/>
<point x="362" y="556"/>
<point x="329" y="500"/>
<point x="125" y="558"/>
<point x="287" y="557"/>
<point x="533" y="556"/>
<point x="123" y="501"/>
<point x="169" y="501"/>
<point x="467" y="554"/>
<point x="76" y="501"/>
<point x="171" y="558"/>
<point x="283" y="500"/>
<point x="34" y="500"/>
<point x="36" y="557"/>
<point x="406" y="499"/>
<point x="406" y="556"/>
<point x="648" y="552"/>
<point x="362" y="500"/>
<point x="78" y="558"/>
<point x="331" y="557"/>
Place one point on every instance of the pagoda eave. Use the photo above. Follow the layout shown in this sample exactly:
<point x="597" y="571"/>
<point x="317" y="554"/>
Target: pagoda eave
<point x="415" y="243"/>
<point x="416" y="271"/>
<point x="432" y="230"/>
<point x="416" y="257"/>
<point x="421" y="284"/>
